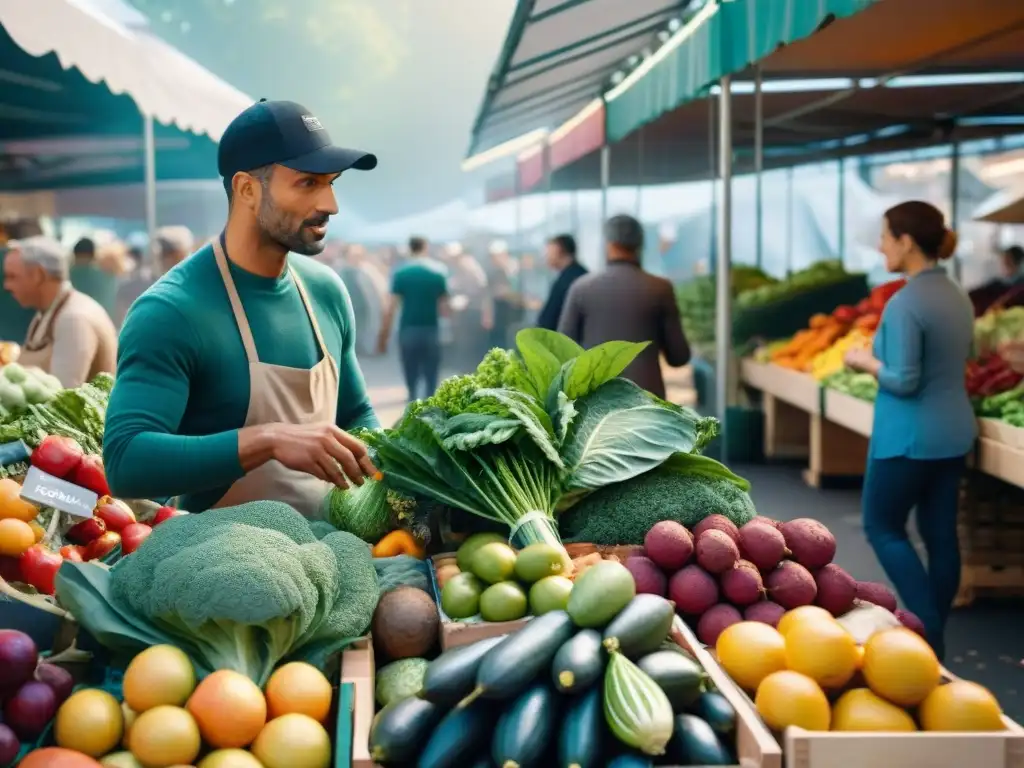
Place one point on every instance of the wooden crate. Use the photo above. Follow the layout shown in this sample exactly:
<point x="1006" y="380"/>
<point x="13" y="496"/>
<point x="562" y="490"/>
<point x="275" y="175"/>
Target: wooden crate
<point x="1000" y="460"/>
<point x="356" y="706"/>
<point x="788" y="400"/>
<point x="839" y="438"/>
<point x="1001" y="432"/>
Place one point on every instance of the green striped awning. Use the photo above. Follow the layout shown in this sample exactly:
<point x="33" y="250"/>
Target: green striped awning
<point x="725" y="38"/>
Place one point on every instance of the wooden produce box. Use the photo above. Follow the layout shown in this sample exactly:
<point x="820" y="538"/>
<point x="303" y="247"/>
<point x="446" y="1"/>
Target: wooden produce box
<point x="356" y="706"/>
<point x="1001" y="460"/>
<point x="793" y="387"/>
<point x="839" y="438"/>
<point x="1001" y="432"/>
<point x="789" y="400"/>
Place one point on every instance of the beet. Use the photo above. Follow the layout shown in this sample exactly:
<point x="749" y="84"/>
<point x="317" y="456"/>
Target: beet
<point x="648" y="577"/>
<point x="715" y="621"/>
<point x="716" y="552"/>
<point x="693" y="590"/>
<point x="910" y="621"/>
<point x="765" y="611"/>
<point x="717" y="523"/>
<point x="762" y="544"/>
<point x="9" y="745"/>
<point x="836" y="589"/>
<point x="791" y="585"/>
<point x="58" y="678"/>
<point x="876" y="593"/>
<point x="742" y="585"/>
<point x="669" y="545"/>
<point x="812" y="544"/>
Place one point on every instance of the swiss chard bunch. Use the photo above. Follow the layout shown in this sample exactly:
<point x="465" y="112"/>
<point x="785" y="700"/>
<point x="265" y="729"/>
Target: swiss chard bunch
<point x="530" y="433"/>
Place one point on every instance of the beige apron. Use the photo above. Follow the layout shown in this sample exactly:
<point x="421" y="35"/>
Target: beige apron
<point x="282" y="395"/>
<point x="38" y="352"/>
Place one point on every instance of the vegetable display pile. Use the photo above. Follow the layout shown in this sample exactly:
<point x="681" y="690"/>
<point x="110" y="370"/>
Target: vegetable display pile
<point x="990" y="375"/>
<point x="598" y="681"/>
<point x="997" y="327"/>
<point x="696" y="300"/>
<point x="1007" y="406"/>
<point x="863" y="386"/>
<point x="21" y="387"/>
<point x="815" y="276"/>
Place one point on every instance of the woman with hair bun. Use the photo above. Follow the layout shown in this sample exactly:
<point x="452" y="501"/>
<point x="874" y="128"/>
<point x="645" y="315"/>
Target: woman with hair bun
<point x="924" y="425"/>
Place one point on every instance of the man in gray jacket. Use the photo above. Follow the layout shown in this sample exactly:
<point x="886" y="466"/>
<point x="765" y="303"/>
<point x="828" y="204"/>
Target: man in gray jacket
<point x="624" y="303"/>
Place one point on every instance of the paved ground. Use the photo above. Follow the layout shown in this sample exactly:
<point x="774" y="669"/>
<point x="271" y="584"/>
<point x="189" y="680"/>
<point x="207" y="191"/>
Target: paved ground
<point x="985" y="642"/>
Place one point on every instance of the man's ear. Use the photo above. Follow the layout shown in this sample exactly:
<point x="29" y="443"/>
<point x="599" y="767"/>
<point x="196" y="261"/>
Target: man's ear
<point x="245" y="190"/>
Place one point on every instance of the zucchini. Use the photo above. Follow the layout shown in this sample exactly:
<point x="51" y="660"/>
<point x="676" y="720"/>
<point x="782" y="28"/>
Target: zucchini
<point x="580" y="740"/>
<point x="682" y="680"/>
<point x="672" y="645"/>
<point x="579" y="662"/>
<point x="630" y="761"/>
<point x="459" y="737"/>
<point x="600" y="593"/>
<point x="637" y="710"/>
<point x="642" y="626"/>
<point x="452" y="675"/>
<point x="717" y="712"/>
<point x="526" y="728"/>
<point x="509" y="668"/>
<point x="694" y="743"/>
<point x="401" y="729"/>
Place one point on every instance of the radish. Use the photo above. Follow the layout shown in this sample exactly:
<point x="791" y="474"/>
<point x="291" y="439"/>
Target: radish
<point x="877" y="594"/>
<point x="791" y="585"/>
<point x="693" y="590"/>
<point x="762" y="544"/>
<point x="765" y="611"/>
<point x="715" y="621"/>
<point x="717" y="523"/>
<point x="812" y="544"/>
<point x="742" y="584"/>
<point x="716" y="552"/>
<point x="669" y="545"/>
<point x="836" y="589"/>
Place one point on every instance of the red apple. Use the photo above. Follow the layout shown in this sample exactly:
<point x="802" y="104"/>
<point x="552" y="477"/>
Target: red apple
<point x="133" y="536"/>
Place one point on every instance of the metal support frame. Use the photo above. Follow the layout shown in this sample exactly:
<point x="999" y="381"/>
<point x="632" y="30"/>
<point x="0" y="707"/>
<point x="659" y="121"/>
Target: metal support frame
<point x="639" y="172"/>
<point x="723" y="293"/>
<point x="606" y="172"/>
<point x="149" y="148"/>
<point x="842" y="209"/>
<point x="954" y="202"/>
<point x="758" y="167"/>
<point x="790" y="171"/>
<point x="713" y="175"/>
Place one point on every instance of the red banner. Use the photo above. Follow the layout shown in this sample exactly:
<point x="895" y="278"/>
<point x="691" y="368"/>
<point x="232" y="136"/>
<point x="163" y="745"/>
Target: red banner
<point x="530" y="167"/>
<point x="579" y="137"/>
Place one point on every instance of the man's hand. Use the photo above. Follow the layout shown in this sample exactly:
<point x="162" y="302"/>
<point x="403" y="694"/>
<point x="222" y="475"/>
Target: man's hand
<point x="862" y="360"/>
<point x="382" y="344"/>
<point x="322" y="450"/>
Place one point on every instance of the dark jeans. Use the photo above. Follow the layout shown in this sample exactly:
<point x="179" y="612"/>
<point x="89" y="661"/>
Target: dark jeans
<point x="892" y="487"/>
<point x="420" y="350"/>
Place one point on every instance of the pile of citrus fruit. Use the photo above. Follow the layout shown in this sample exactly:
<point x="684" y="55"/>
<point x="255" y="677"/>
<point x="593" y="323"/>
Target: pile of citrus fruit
<point x="810" y="672"/>
<point x="225" y="721"/>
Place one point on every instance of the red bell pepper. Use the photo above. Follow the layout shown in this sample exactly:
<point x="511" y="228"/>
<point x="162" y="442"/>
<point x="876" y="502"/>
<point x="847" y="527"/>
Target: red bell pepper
<point x="58" y="456"/>
<point x="845" y="313"/>
<point x="89" y="474"/>
<point x="166" y="513"/>
<point x="114" y="513"/>
<point x="102" y="546"/>
<point x="39" y="567"/>
<point x="881" y="294"/>
<point x="86" y="531"/>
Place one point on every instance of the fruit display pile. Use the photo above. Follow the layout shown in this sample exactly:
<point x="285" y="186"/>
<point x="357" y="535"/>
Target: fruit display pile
<point x="600" y="682"/>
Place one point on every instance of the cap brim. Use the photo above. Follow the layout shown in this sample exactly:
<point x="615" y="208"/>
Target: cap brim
<point x="331" y="159"/>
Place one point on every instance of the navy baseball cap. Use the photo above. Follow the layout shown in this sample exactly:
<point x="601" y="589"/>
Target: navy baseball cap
<point x="288" y="134"/>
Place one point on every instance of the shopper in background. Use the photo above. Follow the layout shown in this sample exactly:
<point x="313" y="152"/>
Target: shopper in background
<point x="506" y="301"/>
<point x="625" y="303"/>
<point x="88" y="277"/>
<point x="471" y="304"/>
<point x="172" y="245"/>
<point x="561" y="258"/>
<point x="71" y="336"/>
<point x="923" y="424"/>
<point x="420" y="288"/>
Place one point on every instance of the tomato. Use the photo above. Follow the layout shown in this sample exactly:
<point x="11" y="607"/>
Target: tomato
<point x="86" y="531"/>
<point x="133" y="536"/>
<point x="89" y="474"/>
<point x="116" y="514"/>
<point x="55" y="757"/>
<point x="72" y="553"/>
<point x="102" y="546"/>
<point x="15" y="537"/>
<point x="39" y="568"/>
<point x="11" y="503"/>
<point x="166" y="513"/>
<point x="58" y="456"/>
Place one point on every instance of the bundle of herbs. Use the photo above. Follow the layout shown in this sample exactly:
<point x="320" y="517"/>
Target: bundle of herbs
<point x="533" y="431"/>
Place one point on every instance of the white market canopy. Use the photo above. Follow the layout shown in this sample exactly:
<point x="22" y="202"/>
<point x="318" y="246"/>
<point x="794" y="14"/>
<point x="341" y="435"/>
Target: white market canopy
<point x="1004" y="207"/>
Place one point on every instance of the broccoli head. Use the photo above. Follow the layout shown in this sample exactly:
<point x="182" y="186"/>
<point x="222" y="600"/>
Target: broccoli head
<point x="623" y="513"/>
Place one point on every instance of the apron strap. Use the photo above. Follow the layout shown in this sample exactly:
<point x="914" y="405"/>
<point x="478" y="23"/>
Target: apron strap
<point x="236" y="303"/>
<point x="49" y="317"/>
<point x="309" y="311"/>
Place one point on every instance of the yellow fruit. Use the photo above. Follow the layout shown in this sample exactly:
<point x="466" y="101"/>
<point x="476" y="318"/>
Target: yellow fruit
<point x="803" y="614"/>
<point x="230" y="758"/>
<point x="129" y="716"/>
<point x="229" y="708"/>
<point x="37" y="530"/>
<point x="788" y="698"/>
<point x="961" y="706"/>
<point x="750" y="651"/>
<point x="165" y="736"/>
<point x="293" y="741"/>
<point x="15" y="536"/>
<point x="862" y="710"/>
<point x="900" y="666"/>
<point x="160" y="675"/>
<point x="823" y="651"/>
<point x="298" y="688"/>
<point x="90" y="722"/>
<point x="121" y="760"/>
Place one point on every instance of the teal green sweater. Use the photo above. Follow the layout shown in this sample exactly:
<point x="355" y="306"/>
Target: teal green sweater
<point x="182" y="387"/>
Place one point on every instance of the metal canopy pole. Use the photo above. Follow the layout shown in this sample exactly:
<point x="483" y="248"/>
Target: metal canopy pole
<point x="639" y="171"/>
<point x="713" y="171"/>
<point x="758" y="166"/>
<point x="842" y="208"/>
<point x="518" y="210"/>
<point x="149" y="149"/>
<point x="549" y="224"/>
<point x="723" y="294"/>
<point x="606" y="169"/>
<point x="789" y="220"/>
<point x="954" y="202"/>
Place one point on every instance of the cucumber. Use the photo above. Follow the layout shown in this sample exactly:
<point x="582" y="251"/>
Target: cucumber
<point x="580" y="742"/>
<point x="579" y="662"/>
<point x="682" y="680"/>
<point x="509" y="668"/>
<point x="694" y="743"/>
<point x="630" y="761"/>
<point x="459" y="737"/>
<point x="637" y="710"/>
<point x="672" y="645"/>
<point x="717" y="712"/>
<point x="526" y="728"/>
<point x="600" y="593"/>
<point x="401" y="729"/>
<point x="452" y="675"/>
<point x="642" y="626"/>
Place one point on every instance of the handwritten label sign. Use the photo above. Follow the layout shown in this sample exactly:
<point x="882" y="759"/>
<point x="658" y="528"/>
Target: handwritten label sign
<point x="49" y="491"/>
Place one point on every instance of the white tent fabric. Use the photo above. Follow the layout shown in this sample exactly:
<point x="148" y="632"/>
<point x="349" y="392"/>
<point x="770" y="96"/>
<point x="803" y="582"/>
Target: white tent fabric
<point x="1004" y="207"/>
<point x="164" y="83"/>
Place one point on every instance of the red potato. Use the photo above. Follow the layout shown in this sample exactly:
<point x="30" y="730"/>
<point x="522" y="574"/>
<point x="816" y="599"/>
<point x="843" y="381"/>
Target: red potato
<point x="876" y="593"/>
<point x="791" y="585"/>
<point x="717" y="523"/>
<point x="715" y="621"/>
<point x="765" y="611"/>
<point x="716" y="552"/>
<point x="836" y="589"/>
<point x="742" y="584"/>
<point x="911" y="622"/>
<point x="762" y="544"/>
<point x="693" y="590"/>
<point x="115" y="514"/>
<point x="812" y="544"/>
<point x="669" y="545"/>
<point x="762" y="520"/>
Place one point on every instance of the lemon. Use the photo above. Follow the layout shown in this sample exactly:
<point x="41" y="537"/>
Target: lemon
<point x="788" y="698"/>
<point x="961" y="706"/>
<point x="230" y="758"/>
<point x="165" y="735"/>
<point x="90" y="722"/>
<point x="159" y="675"/>
<point x="293" y="741"/>
<point x="900" y="666"/>
<point x="799" y="616"/>
<point x="863" y="710"/>
<point x="823" y="651"/>
<point x="750" y="651"/>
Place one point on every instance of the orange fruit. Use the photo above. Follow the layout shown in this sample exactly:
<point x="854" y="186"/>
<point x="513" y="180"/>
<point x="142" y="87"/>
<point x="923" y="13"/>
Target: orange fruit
<point x="165" y="736"/>
<point x="56" y="757"/>
<point x="12" y="505"/>
<point x="900" y="666"/>
<point x="90" y="722"/>
<point x="788" y="698"/>
<point x="15" y="536"/>
<point x="804" y="613"/>
<point x="863" y="710"/>
<point x="293" y="741"/>
<point x="161" y="674"/>
<point x="823" y="651"/>
<point x="750" y="651"/>
<point x="961" y="706"/>
<point x="298" y="688"/>
<point x="860" y="657"/>
<point x="229" y="709"/>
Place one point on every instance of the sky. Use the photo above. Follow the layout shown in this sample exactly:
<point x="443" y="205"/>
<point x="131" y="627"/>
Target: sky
<point x="400" y="78"/>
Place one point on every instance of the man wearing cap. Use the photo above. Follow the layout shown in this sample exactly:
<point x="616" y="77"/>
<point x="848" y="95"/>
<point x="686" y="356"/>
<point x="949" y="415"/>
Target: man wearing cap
<point x="626" y="303"/>
<point x="237" y="376"/>
<point x="71" y="335"/>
